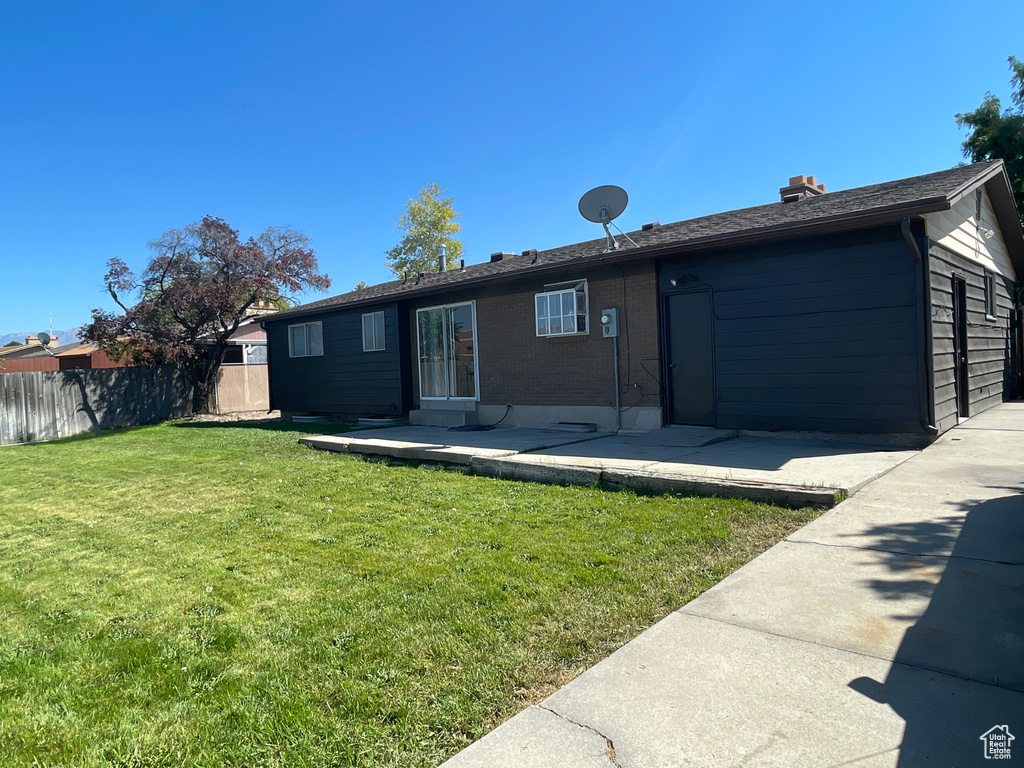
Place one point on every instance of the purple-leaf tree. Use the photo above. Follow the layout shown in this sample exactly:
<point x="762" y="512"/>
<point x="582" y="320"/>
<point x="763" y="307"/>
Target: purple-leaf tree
<point x="197" y="288"/>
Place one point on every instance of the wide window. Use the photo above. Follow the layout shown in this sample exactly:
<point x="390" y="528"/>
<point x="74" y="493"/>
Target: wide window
<point x="306" y="339"/>
<point x="446" y="342"/>
<point x="373" y="332"/>
<point x="562" y="309"/>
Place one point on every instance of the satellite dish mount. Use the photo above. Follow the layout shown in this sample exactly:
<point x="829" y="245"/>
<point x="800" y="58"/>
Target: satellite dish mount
<point x="603" y="204"/>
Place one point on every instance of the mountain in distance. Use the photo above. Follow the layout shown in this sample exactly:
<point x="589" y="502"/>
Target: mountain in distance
<point x="63" y="337"/>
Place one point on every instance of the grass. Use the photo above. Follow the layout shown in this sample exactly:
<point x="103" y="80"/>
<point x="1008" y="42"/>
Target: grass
<point x="208" y="595"/>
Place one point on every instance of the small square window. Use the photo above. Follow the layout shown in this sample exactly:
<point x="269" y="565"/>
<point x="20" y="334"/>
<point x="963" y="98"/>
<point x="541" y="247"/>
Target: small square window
<point x="306" y="339"/>
<point x="255" y="354"/>
<point x="561" y="309"/>
<point x="991" y="305"/>
<point x="373" y="332"/>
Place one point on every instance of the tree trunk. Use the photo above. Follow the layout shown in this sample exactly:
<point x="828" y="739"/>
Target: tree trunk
<point x="206" y="378"/>
<point x="202" y="396"/>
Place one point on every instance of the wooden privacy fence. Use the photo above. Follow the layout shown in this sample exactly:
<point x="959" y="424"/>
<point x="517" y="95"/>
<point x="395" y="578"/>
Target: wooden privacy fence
<point x="47" y="404"/>
<point x="242" y="388"/>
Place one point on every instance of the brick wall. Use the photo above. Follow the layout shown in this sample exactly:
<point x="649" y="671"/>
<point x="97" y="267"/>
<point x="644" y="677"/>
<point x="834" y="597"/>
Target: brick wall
<point x="518" y="367"/>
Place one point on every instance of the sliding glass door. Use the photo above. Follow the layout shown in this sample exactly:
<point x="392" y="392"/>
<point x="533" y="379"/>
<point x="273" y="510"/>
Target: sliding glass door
<point x="446" y="341"/>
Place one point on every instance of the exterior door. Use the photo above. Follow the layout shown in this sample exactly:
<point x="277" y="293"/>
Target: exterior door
<point x="960" y="370"/>
<point x="446" y="337"/>
<point x="690" y="356"/>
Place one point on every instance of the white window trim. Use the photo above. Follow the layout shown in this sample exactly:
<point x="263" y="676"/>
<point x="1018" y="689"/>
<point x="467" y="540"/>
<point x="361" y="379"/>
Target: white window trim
<point x="384" y="330"/>
<point x="476" y="353"/>
<point x="291" y="351"/>
<point x="564" y="287"/>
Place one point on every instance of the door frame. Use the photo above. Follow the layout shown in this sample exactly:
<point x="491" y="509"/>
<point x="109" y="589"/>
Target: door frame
<point x="476" y="351"/>
<point x="961" y="338"/>
<point x="667" y="404"/>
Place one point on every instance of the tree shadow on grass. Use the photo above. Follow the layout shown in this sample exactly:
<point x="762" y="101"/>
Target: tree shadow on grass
<point x="268" y="425"/>
<point x="959" y="669"/>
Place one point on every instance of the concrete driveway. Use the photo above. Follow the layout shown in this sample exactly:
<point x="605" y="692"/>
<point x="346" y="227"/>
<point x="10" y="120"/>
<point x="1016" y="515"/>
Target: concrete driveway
<point x="888" y="632"/>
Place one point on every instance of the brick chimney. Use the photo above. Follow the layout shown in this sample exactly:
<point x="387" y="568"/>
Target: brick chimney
<point x="801" y="188"/>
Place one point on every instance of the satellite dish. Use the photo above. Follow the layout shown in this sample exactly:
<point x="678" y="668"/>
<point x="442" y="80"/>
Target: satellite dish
<point x="603" y="204"/>
<point x="44" y="338"/>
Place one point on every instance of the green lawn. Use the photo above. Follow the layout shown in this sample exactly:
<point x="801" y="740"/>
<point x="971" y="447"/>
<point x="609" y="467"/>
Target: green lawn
<point x="208" y="595"/>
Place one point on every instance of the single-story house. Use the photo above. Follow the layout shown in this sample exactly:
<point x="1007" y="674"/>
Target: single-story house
<point x="886" y="309"/>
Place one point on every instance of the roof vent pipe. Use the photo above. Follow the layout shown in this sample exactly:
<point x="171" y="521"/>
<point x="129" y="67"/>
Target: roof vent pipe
<point x="442" y="259"/>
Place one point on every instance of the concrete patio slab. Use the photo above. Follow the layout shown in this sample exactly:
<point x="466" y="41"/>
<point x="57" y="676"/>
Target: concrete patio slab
<point x="780" y="461"/>
<point x="888" y="632"/>
<point x="922" y="510"/>
<point x="439" y="444"/>
<point x="691" y="460"/>
<point x="681" y="436"/>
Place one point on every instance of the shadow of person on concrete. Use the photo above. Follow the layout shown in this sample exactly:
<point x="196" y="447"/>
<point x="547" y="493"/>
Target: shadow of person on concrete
<point x="959" y="669"/>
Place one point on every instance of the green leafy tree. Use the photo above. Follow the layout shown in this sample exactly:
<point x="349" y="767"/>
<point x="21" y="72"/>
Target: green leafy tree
<point x="360" y="285"/>
<point x="998" y="133"/>
<point x="13" y="344"/>
<point x="429" y="223"/>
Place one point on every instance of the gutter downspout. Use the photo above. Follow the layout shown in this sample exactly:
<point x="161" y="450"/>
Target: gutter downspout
<point x="270" y="388"/>
<point x="924" y="330"/>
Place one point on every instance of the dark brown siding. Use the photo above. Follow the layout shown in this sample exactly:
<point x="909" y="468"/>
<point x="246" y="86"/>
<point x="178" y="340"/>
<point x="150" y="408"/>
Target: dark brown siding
<point x="990" y="352"/>
<point x="518" y="367"/>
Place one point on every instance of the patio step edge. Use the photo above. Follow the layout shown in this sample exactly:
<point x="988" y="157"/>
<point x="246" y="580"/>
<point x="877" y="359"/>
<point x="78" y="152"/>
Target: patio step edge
<point x="647" y="482"/>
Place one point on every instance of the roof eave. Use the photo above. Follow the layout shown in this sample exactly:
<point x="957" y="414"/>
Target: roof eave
<point x="1005" y="207"/>
<point x="827" y="225"/>
<point x="840" y="223"/>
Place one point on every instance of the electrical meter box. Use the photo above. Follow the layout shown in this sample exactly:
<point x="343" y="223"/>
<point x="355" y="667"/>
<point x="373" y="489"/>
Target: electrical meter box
<point x="609" y="323"/>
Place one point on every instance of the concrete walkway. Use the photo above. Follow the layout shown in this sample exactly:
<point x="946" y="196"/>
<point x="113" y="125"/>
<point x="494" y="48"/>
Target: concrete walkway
<point x="698" y="460"/>
<point x="888" y="632"/>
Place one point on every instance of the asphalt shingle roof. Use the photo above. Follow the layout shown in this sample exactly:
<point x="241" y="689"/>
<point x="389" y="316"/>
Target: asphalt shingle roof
<point x="893" y="198"/>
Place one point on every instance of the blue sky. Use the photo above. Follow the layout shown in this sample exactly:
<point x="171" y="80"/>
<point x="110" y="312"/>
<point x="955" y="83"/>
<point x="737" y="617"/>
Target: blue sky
<point x="122" y="120"/>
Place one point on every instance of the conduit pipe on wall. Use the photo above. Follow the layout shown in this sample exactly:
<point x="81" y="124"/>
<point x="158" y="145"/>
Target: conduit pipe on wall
<point x="924" y="329"/>
<point x="618" y="410"/>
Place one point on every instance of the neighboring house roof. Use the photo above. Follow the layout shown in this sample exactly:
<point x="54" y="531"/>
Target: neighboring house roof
<point x="836" y="211"/>
<point x="75" y="349"/>
<point x="24" y="350"/>
<point x="18" y="350"/>
<point x="250" y="324"/>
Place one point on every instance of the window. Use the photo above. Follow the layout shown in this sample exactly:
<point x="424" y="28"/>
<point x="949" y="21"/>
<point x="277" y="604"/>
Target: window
<point x="255" y="354"/>
<point x="562" y="309"/>
<point x="373" y="332"/>
<point x="991" y="308"/>
<point x="306" y="339"/>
